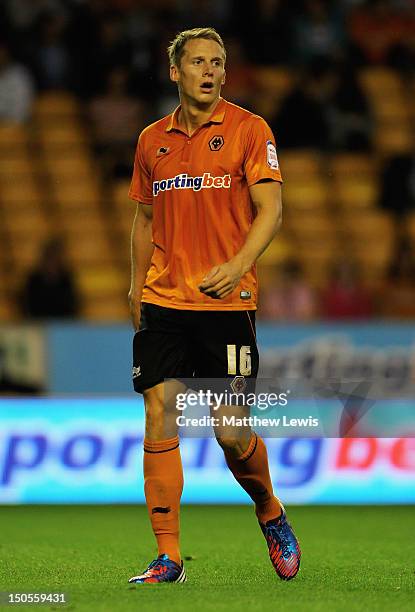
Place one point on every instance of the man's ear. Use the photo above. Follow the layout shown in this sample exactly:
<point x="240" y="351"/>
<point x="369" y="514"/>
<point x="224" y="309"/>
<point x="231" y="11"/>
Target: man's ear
<point x="174" y="74"/>
<point x="223" y="78"/>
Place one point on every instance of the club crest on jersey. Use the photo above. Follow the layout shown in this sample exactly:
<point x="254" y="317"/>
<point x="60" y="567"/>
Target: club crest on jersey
<point x="162" y="151"/>
<point x="216" y="143"/>
<point x="272" y="157"/>
<point x="196" y="183"/>
<point x="238" y="384"/>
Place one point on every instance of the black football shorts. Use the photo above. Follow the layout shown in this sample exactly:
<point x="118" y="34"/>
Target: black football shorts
<point x="198" y="344"/>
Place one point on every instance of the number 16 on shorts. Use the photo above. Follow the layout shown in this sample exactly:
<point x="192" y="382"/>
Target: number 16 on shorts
<point x="244" y="360"/>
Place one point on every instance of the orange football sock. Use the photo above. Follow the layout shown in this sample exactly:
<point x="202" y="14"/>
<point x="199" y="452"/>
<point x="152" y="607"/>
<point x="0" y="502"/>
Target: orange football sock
<point x="163" y="486"/>
<point x="252" y="472"/>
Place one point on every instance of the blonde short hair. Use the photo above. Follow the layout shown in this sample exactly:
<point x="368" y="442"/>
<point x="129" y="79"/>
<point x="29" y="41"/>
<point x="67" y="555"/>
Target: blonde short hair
<point x="176" y="48"/>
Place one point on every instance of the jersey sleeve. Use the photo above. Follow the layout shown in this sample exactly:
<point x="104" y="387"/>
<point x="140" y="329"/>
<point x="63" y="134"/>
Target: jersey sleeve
<point x="261" y="161"/>
<point x="141" y="188"/>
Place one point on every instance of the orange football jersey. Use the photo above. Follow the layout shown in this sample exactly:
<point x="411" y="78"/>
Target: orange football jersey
<point x="202" y="210"/>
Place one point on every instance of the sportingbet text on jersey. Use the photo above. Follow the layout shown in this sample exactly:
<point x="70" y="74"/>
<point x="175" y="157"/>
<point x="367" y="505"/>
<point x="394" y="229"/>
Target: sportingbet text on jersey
<point x="196" y="183"/>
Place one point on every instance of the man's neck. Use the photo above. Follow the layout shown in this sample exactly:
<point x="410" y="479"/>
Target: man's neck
<point x="191" y="116"/>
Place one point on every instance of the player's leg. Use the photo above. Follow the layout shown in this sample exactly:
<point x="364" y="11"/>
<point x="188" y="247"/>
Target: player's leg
<point x="247" y="458"/>
<point x="250" y="468"/>
<point x="163" y="472"/>
<point x="229" y="351"/>
<point x="159" y="353"/>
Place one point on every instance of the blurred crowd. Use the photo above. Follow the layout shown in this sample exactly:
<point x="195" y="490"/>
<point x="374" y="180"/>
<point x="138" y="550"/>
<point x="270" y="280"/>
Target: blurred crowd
<point x="345" y="298"/>
<point x="112" y="55"/>
<point x="77" y="44"/>
<point x="50" y="291"/>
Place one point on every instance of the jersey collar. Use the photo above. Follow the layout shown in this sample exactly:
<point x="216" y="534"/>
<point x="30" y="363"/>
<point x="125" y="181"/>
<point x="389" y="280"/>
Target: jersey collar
<point x="217" y="116"/>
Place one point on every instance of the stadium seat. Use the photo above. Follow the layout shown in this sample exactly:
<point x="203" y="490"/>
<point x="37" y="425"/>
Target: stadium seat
<point x="279" y="250"/>
<point x="13" y="139"/>
<point x="86" y="249"/>
<point x="379" y="81"/>
<point x="124" y="211"/>
<point x="78" y="166"/>
<point x="113" y="308"/>
<point x="300" y="165"/>
<point x="120" y="194"/>
<point x="124" y="222"/>
<point x="373" y="263"/>
<point x="317" y="262"/>
<point x="76" y="194"/>
<point x="274" y="79"/>
<point x="319" y="224"/>
<point x="305" y="194"/>
<point x="393" y="108"/>
<point x="13" y="168"/>
<point x="362" y="192"/>
<point x="24" y="252"/>
<point x="8" y="310"/>
<point x="103" y="292"/>
<point x="90" y="221"/>
<point x="391" y="105"/>
<point x="349" y="166"/>
<point x="19" y="223"/>
<point x="101" y="280"/>
<point x="273" y="84"/>
<point x="19" y="194"/>
<point x="409" y="227"/>
<point x="66" y="137"/>
<point x="370" y="225"/>
<point x="394" y="138"/>
<point x="370" y="238"/>
<point x="55" y="105"/>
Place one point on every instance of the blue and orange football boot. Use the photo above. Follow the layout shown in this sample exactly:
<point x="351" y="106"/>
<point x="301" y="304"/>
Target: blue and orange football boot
<point x="161" y="569"/>
<point x="284" y="549"/>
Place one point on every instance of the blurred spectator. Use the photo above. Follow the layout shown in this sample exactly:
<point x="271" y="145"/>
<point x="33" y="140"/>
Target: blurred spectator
<point x="240" y="75"/>
<point x="83" y="35"/>
<point x="396" y="298"/>
<point x="345" y="297"/>
<point x="318" y="32"/>
<point x="273" y="19"/>
<point x="326" y="109"/>
<point x="117" y="119"/>
<point x="194" y="13"/>
<point x="397" y="193"/>
<point x="145" y="30"/>
<point x="348" y="110"/>
<point x="375" y="29"/>
<point x="49" y="290"/>
<point x="16" y="88"/>
<point x="111" y="49"/>
<point x="402" y="55"/>
<point x="289" y="297"/>
<point x="302" y="120"/>
<point x="23" y="14"/>
<point x="51" y="60"/>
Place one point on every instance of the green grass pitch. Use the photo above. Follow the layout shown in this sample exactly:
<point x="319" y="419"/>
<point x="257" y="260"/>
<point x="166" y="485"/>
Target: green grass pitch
<point x="354" y="558"/>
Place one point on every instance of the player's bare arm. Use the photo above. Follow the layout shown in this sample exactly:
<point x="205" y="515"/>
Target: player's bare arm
<point x="141" y="252"/>
<point x="266" y="197"/>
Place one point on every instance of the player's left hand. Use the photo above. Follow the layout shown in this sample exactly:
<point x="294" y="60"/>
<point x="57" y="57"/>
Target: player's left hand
<point x="222" y="280"/>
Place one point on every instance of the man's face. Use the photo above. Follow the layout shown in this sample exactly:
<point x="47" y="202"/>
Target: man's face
<point x="201" y="73"/>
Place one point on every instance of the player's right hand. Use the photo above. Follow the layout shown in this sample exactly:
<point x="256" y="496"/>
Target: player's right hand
<point x="135" y="309"/>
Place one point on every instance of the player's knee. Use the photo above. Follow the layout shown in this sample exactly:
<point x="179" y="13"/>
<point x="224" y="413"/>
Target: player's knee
<point x="227" y="442"/>
<point x="154" y="412"/>
<point x="160" y="421"/>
